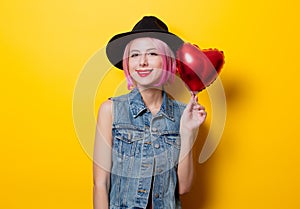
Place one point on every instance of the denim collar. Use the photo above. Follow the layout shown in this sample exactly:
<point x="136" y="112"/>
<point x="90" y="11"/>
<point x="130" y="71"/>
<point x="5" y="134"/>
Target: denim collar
<point x="137" y="105"/>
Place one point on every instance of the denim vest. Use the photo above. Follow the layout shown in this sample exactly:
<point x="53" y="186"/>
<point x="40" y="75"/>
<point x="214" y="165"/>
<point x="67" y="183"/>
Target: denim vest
<point x="145" y="153"/>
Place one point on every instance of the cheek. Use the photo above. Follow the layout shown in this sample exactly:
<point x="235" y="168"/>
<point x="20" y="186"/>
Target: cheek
<point x="131" y="68"/>
<point x="131" y="64"/>
<point x="159" y="62"/>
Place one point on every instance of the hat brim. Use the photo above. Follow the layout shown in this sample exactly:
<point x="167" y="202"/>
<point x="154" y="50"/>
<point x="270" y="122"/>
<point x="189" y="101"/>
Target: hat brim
<point x="116" y="46"/>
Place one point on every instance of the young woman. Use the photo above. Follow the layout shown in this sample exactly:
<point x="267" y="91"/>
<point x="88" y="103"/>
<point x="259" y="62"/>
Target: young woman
<point x="142" y="156"/>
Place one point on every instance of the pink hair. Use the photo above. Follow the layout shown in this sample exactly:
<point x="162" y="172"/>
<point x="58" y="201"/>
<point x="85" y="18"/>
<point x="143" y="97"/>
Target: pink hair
<point x="168" y="65"/>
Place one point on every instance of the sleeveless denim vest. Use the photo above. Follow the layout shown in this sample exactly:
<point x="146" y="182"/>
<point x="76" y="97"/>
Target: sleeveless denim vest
<point x="145" y="153"/>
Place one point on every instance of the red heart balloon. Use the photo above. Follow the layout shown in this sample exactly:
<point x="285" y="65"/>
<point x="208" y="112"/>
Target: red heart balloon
<point x="198" y="68"/>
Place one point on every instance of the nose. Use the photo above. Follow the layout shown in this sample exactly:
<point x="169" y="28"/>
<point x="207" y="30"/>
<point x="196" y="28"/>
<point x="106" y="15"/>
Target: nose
<point x="143" y="60"/>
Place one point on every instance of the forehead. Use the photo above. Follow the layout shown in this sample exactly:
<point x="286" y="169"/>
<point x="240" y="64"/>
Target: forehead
<point x="142" y="44"/>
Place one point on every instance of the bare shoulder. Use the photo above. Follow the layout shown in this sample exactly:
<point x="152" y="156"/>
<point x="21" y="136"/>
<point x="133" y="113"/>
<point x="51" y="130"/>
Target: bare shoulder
<point x="106" y="106"/>
<point x="105" y="110"/>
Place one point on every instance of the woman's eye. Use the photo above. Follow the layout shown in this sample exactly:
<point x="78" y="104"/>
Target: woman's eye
<point x="153" y="54"/>
<point x="134" y="55"/>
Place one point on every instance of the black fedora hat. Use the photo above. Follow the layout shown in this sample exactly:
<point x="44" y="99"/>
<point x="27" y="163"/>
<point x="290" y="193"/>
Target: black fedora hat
<point x="148" y="26"/>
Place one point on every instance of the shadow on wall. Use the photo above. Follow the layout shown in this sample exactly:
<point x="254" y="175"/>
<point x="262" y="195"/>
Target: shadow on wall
<point x="237" y="92"/>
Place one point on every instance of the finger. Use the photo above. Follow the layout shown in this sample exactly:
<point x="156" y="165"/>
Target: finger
<point x="196" y="98"/>
<point x="202" y="113"/>
<point x="196" y="101"/>
<point x="190" y="105"/>
<point x="198" y="107"/>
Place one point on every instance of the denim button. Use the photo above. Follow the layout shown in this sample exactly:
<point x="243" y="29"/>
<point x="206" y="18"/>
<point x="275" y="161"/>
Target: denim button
<point x="156" y="195"/>
<point x="156" y="146"/>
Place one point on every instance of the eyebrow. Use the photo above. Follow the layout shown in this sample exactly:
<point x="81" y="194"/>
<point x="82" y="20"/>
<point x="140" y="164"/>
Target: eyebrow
<point x="136" y="50"/>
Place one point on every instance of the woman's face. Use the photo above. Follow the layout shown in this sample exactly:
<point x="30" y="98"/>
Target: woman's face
<point x="145" y="63"/>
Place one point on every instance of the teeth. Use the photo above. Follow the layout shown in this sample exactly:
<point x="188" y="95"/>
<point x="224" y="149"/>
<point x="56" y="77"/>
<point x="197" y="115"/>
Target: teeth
<point x="144" y="72"/>
<point x="148" y="71"/>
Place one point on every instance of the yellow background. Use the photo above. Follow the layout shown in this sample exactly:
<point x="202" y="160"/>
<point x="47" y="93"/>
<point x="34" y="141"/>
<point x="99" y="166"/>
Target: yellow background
<point x="45" y="44"/>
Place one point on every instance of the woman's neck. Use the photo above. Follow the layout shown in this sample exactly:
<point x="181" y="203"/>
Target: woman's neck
<point x="152" y="98"/>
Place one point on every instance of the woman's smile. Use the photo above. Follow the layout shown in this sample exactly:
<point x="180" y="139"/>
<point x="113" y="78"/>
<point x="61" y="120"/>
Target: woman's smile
<point x="144" y="72"/>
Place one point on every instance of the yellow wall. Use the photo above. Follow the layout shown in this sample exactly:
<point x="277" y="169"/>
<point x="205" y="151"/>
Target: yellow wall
<point x="45" y="46"/>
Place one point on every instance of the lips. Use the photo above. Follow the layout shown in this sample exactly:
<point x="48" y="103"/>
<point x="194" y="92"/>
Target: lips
<point x="144" y="72"/>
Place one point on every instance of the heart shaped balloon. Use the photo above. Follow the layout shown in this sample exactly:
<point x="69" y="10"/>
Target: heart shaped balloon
<point x="198" y="68"/>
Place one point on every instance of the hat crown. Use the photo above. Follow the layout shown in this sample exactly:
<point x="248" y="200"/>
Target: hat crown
<point x="150" y="23"/>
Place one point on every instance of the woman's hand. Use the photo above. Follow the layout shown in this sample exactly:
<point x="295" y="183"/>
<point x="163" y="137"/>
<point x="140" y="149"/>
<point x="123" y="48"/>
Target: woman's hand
<point x="193" y="116"/>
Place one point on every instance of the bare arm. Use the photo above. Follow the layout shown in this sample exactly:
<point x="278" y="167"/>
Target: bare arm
<point x="193" y="116"/>
<point x="102" y="156"/>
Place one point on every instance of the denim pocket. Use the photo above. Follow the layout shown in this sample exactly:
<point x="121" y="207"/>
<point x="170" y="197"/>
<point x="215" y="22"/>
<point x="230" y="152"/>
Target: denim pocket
<point x="173" y="139"/>
<point x="126" y="139"/>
